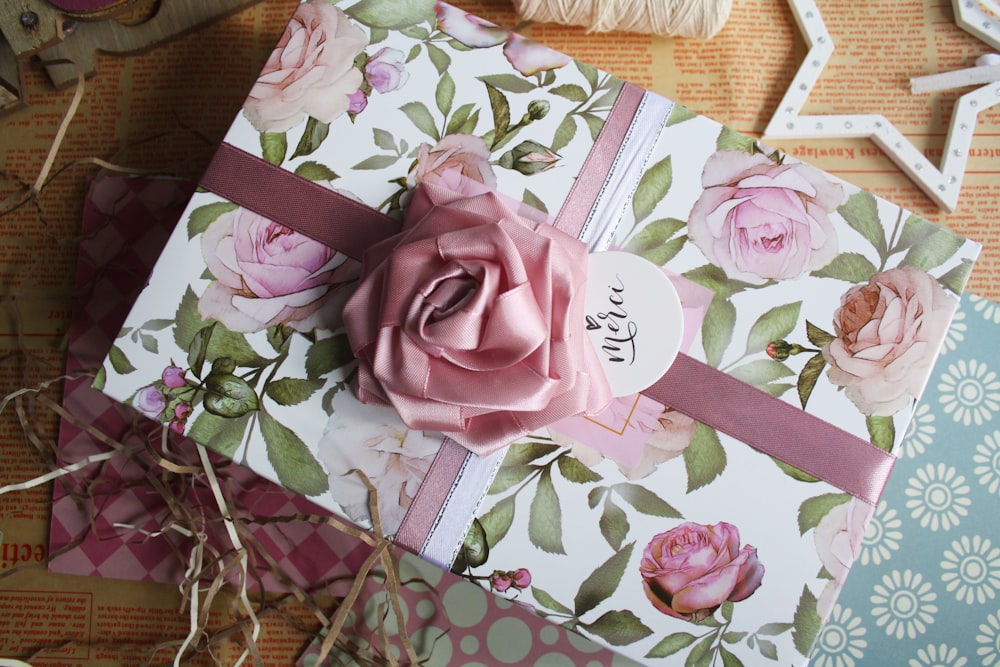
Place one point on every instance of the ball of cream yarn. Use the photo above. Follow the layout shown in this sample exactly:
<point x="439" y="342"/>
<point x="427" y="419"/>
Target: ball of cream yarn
<point x="681" y="18"/>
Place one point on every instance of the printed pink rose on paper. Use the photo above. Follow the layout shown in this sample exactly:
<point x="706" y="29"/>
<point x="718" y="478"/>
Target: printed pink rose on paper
<point x="759" y="220"/>
<point x="887" y="336"/>
<point x="385" y="71"/>
<point x="150" y="401"/>
<point x="839" y="537"/>
<point x="266" y="274"/>
<point x="468" y="29"/>
<point x="689" y="571"/>
<point x="310" y="72"/>
<point x="529" y="57"/>
<point x="456" y="155"/>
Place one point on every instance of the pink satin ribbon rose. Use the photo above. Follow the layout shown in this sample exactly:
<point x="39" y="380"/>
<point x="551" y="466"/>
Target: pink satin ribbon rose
<point x="470" y="322"/>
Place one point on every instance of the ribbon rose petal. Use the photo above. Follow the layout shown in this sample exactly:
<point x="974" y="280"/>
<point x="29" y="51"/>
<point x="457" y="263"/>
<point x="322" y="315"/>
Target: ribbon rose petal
<point x="470" y="322"/>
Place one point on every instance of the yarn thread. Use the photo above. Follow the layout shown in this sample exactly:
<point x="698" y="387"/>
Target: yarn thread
<point x="682" y="18"/>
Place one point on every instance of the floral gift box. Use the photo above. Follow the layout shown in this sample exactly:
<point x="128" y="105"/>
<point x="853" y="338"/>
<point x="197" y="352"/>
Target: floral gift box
<point x="680" y="524"/>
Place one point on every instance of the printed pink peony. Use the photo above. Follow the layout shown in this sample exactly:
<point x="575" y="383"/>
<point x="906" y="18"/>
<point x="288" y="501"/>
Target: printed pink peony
<point x="267" y="274"/>
<point x="888" y="333"/>
<point x="468" y="29"/>
<point x="759" y="220"/>
<point x="310" y="71"/>
<point x="455" y="155"/>
<point x="529" y="57"/>
<point x="150" y="401"/>
<point x="689" y="571"/>
<point x="839" y="537"/>
<point x="385" y="71"/>
<point x="469" y="322"/>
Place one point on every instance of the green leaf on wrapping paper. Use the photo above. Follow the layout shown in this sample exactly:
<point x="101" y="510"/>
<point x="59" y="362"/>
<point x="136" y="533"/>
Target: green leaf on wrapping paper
<point x="861" y="213"/>
<point x="645" y="501"/>
<point x="497" y="521"/>
<point x="761" y="371"/>
<point x="817" y="336"/>
<point x="549" y="602"/>
<point x="417" y="32"/>
<point x="772" y="629"/>
<point x="715" y="279"/>
<point x="511" y="475"/>
<point x="652" y="241"/>
<point x="701" y="655"/>
<point x="775" y="324"/>
<point x="594" y="123"/>
<point x="549" y="78"/>
<point x="734" y="637"/>
<point x="882" y="432"/>
<point x="571" y="92"/>
<point x="444" y="95"/>
<point x="158" y="324"/>
<point x="613" y="524"/>
<point x="915" y="231"/>
<point x="671" y="644"/>
<point x="509" y="82"/>
<point x="727" y="610"/>
<point x="521" y="453"/>
<point x="704" y="458"/>
<point x="391" y="14"/>
<point x="501" y="113"/>
<point x="415" y="51"/>
<point x="377" y="162"/>
<point x="576" y="472"/>
<point x="149" y="343"/>
<point x="717" y="329"/>
<point x="119" y="361"/>
<point x="931" y="252"/>
<point x="776" y="389"/>
<point x="203" y="216"/>
<point x="279" y="337"/>
<point x="291" y="391"/>
<point x="731" y="140"/>
<point x="662" y="254"/>
<point x="223" y="342"/>
<point x="808" y="377"/>
<point x="545" y="516"/>
<point x="532" y="200"/>
<point x="767" y="649"/>
<point x="312" y="137"/>
<point x="274" y="146"/>
<point x="461" y="119"/>
<point x="618" y="628"/>
<point x="679" y="114"/>
<point x="222" y="435"/>
<point x="794" y="472"/>
<point x="806" y="623"/>
<point x="475" y="548"/>
<point x="296" y="467"/>
<point x="589" y="72"/>
<point x="384" y="139"/>
<point x="602" y="582"/>
<point x="955" y="279"/>
<point x="812" y="510"/>
<point x="327" y="355"/>
<point x="314" y="171"/>
<point x="564" y="134"/>
<point x="850" y="266"/>
<point x="607" y="100"/>
<point x="595" y="494"/>
<point x="421" y="118"/>
<point x="198" y="350"/>
<point x="227" y="395"/>
<point x="377" y="35"/>
<point x="729" y="658"/>
<point x="652" y="187"/>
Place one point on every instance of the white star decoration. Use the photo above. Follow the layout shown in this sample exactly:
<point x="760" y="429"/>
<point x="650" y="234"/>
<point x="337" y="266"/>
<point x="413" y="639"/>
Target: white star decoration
<point x="941" y="185"/>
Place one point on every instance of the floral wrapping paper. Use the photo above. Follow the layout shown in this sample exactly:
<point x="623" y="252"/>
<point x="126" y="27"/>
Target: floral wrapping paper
<point x="694" y="549"/>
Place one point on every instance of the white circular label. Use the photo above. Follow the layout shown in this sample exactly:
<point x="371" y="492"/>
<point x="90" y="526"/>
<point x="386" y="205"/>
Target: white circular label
<point x="633" y="318"/>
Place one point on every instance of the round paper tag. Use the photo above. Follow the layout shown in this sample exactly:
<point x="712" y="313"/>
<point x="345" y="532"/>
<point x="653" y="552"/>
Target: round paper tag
<point x="634" y="320"/>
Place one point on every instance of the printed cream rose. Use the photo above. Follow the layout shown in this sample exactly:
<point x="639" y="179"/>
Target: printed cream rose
<point x="839" y="537"/>
<point x="456" y="155"/>
<point x="689" y="571"/>
<point x="759" y="220"/>
<point x="470" y="322"/>
<point x="310" y="71"/>
<point x="266" y="274"/>
<point x="888" y="333"/>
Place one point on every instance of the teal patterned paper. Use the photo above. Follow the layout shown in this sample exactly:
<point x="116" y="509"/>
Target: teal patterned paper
<point x="925" y="588"/>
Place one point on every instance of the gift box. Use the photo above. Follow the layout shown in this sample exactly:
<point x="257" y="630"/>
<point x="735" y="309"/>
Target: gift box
<point x="678" y="524"/>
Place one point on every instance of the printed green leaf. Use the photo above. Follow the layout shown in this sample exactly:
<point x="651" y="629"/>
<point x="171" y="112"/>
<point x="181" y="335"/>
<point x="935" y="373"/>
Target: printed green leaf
<point x="729" y="659"/>
<point x="227" y="395"/>
<point x="817" y="336"/>
<point x="564" y="134"/>
<point x="715" y="279"/>
<point x="156" y="324"/>
<point x="812" y="510"/>
<point x="312" y="137"/>
<point x="475" y="549"/>
<point x="717" y="329"/>
<point x="220" y="434"/>
<point x="417" y="32"/>
<point x="761" y="371"/>
<point x="444" y="95"/>
<point x="603" y="581"/>
<point x="704" y="458"/>
<point x="223" y="343"/>
<point x="510" y="475"/>
<point x="679" y="114"/>
<point x="767" y="649"/>
<point x="545" y="517"/>
<point x="776" y="389"/>
<point x="291" y="391"/>
<point x="576" y="472"/>
<point x="274" y="145"/>
<point x="775" y="324"/>
<point x="613" y="524"/>
<point x="279" y="337"/>
<point x="377" y="161"/>
<point x="100" y="379"/>
<point x="327" y="355"/>
<point x="415" y="51"/>
<point x="915" y="230"/>
<point x="808" y="377"/>
<point x="733" y="637"/>
<point x="701" y="654"/>
<point x="882" y="432"/>
<point x="727" y="610"/>
<point x="571" y="92"/>
<point x="806" y="623"/>
<point x="654" y="234"/>
<point x="497" y="521"/>
<point x="501" y="113"/>
<point x="589" y="72"/>
<point x="384" y="139"/>
<point x="850" y="266"/>
<point x="198" y="350"/>
<point x="671" y="644"/>
<point x="521" y="453"/>
<point x="645" y="501"/>
<point x="653" y="186"/>
<point x="660" y="255"/>
<point x="794" y="472"/>
<point x="509" y="82"/>
<point x="594" y="123"/>
<point x="391" y="14"/>
<point x="772" y="629"/>
<point x="549" y="602"/>
<point x="314" y="171"/>
<point x="532" y="200"/>
<point x="933" y="251"/>
<point x="595" y="495"/>
<point x="203" y="216"/>
<point x="296" y="467"/>
<point x="619" y="628"/>
<point x="607" y="100"/>
<point x="861" y="213"/>
<point x="731" y="140"/>
<point x="459" y="120"/>
<point x="955" y="279"/>
<point x="149" y="343"/>
<point x="377" y="35"/>
<point x="119" y="361"/>
<point x="421" y="118"/>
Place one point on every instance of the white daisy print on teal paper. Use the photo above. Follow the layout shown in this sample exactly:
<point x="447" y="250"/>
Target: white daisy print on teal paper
<point x="956" y="333"/>
<point x="987" y="462"/>
<point x="842" y="642"/>
<point x="971" y="569"/>
<point x="988" y="639"/>
<point x="970" y="392"/>
<point x="903" y="604"/>
<point x="920" y="433"/>
<point x="938" y="497"/>
<point x="989" y="310"/>
<point x="940" y="655"/>
<point x="882" y="535"/>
